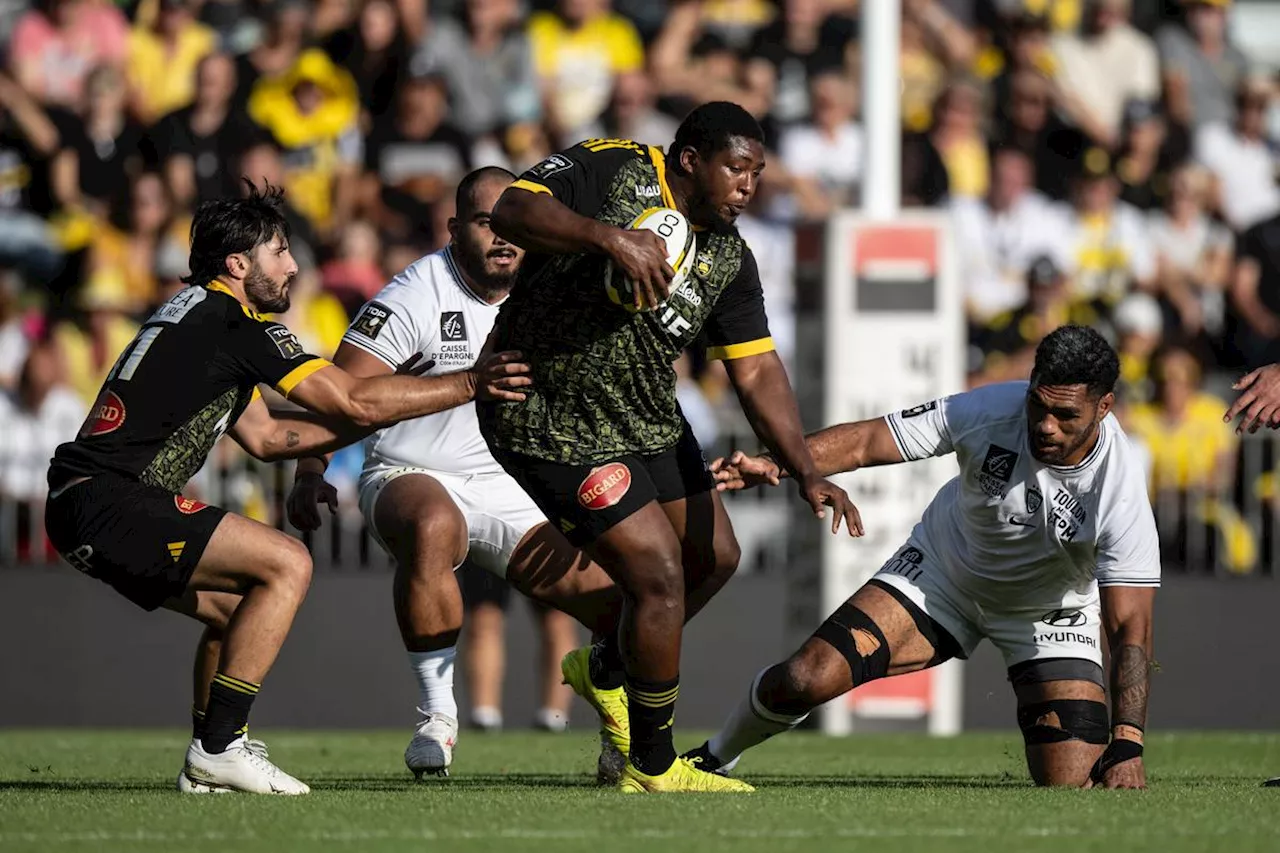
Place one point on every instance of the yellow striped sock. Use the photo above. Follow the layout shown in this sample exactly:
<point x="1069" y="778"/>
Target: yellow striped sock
<point x="236" y="684"/>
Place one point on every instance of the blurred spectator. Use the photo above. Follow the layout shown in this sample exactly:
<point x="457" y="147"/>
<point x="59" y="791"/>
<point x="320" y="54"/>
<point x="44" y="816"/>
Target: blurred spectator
<point x="28" y="143"/>
<point x="1192" y="466"/>
<point x="92" y="342"/>
<point x="163" y="59"/>
<point x="142" y="221"/>
<point x="774" y="245"/>
<point x="1111" y="252"/>
<point x="633" y="114"/>
<point x="56" y="44"/>
<point x="958" y="136"/>
<point x="1103" y="67"/>
<point x="938" y="31"/>
<point x="578" y="50"/>
<point x="414" y="158"/>
<point x="924" y="175"/>
<point x="1201" y="69"/>
<point x="488" y="63"/>
<point x="800" y="42"/>
<point x="15" y="332"/>
<point x="108" y="145"/>
<point x="1147" y="156"/>
<point x="283" y="38"/>
<point x="311" y="111"/>
<point x="261" y="163"/>
<point x="1241" y="159"/>
<point x="1021" y="47"/>
<point x="1063" y="16"/>
<point x="1139" y="329"/>
<point x="1005" y="347"/>
<point x="40" y="413"/>
<point x="484" y="658"/>
<point x="354" y="275"/>
<point x="734" y="21"/>
<point x="691" y="65"/>
<point x="700" y="414"/>
<point x="1000" y="236"/>
<point x="1193" y="254"/>
<point x="199" y="146"/>
<point x="824" y="157"/>
<point x="376" y="50"/>
<point x="1030" y="124"/>
<point x="1255" y="294"/>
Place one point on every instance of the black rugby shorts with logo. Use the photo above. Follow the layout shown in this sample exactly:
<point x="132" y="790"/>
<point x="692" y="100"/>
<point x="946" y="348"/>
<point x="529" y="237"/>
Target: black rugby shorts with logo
<point x="584" y="501"/>
<point x="142" y="540"/>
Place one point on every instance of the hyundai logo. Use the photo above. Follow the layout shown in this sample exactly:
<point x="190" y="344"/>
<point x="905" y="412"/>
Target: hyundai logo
<point x="1065" y="618"/>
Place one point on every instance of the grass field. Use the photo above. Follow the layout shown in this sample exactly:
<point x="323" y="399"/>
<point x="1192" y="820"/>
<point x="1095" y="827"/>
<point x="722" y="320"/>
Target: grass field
<point x="78" y="791"/>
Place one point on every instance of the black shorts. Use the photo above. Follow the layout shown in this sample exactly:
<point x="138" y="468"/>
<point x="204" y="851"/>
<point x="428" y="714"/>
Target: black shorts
<point x="586" y="500"/>
<point x="142" y="540"/>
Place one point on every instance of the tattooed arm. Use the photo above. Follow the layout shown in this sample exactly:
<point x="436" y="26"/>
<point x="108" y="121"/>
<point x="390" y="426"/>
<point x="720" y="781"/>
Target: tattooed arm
<point x="274" y="435"/>
<point x="1127" y="616"/>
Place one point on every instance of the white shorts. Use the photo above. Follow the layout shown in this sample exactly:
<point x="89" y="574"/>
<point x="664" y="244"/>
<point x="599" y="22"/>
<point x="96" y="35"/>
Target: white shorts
<point x="1069" y="628"/>
<point x="497" y="510"/>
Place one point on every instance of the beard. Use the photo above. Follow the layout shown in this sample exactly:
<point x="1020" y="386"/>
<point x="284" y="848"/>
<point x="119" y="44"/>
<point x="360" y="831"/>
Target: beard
<point x="487" y="276"/>
<point x="265" y="294"/>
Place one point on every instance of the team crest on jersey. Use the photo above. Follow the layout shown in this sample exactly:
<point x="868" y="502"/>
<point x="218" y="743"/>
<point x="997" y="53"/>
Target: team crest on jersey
<point x="188" y="506"/>
<point x="1034" y="500"/>
<point x="453" y="327"/>
<point x="551" y="165"/>
<point x="917" y="411"/>
<point x="371" y="319"/>
<point x="996" y="470"/>
<point x="286" y="341"/>
<point x="703" y="263"/>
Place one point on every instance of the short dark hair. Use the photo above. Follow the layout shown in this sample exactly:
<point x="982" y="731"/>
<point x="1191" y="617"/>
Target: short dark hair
<point x="464" y="200"/>
<point x="710" y="127"/>
<point x="226" y="226"/>
<point x="1076" y="355"/>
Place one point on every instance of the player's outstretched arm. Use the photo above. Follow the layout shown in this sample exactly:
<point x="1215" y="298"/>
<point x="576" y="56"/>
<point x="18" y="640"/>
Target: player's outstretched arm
<point x="539" y="222"/>
<point x="1259" y="400"/>
<point x="1126" y="617"/>
<point x="765" y="392"/>
<point x="835" y="450"/>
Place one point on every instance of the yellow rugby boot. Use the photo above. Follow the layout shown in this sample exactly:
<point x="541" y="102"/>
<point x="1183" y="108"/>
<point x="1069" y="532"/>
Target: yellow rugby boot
<point x="610" y="704"/>
<point x="679" y="777"/>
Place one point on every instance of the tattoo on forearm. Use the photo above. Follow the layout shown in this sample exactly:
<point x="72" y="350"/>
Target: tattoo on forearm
<point x="1130" y="685"/>
<point x="292" y="439"/>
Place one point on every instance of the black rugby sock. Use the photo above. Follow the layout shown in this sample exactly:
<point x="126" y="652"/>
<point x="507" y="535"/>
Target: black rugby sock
<point x="227" y="716"/>
<point x="606" y="669"/>
<point x="197" y="723"/>
<point x="651" y="706"/>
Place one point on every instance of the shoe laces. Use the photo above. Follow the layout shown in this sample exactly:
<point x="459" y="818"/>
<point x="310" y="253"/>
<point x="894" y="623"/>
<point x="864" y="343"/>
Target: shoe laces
<point x="429" y="719"/>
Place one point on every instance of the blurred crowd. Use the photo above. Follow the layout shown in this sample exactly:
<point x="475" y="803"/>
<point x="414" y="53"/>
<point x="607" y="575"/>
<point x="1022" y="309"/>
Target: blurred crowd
<point x="1111" y="162"/>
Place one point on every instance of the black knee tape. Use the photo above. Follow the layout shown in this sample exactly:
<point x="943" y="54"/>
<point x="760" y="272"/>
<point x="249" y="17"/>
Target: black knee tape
<point x="1078" y="719"/>
<point x="838" y="631"/>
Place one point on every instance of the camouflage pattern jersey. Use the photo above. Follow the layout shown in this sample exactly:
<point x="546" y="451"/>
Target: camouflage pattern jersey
<point x="184" y="380"/>
<point x="603" y="382"/>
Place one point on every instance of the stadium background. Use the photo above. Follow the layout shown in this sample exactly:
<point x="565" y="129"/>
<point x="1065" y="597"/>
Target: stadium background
<point x="1123" y="142"/>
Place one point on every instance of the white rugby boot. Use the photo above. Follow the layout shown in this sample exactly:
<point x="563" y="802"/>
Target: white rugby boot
<point x="431" y="750"/>
<point x="243" y="766"/>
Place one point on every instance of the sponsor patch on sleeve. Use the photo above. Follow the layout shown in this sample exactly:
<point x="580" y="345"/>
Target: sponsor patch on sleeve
<point x="551" y="165"/>
<point x="286" y="341"/>
<point x="371" y="319"/>
<point x="917" y="411"/>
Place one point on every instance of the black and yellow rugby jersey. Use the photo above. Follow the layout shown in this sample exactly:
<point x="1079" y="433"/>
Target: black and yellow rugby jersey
<point x="187" y="376"/>
<point x="603" y="382"/>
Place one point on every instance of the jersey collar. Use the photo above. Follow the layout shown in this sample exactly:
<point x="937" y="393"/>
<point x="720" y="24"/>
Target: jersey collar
<point x="451" y="263"/>
<point x="219" y="287"/>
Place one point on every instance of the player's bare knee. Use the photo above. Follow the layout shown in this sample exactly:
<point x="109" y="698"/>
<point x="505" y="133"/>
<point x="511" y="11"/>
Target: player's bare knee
<point x="289" y="566"/>
<point x="728" y="553"/>
<point x="443" y="535"/>
<point x="660" y="583"/>
<point x="805" y="681"/>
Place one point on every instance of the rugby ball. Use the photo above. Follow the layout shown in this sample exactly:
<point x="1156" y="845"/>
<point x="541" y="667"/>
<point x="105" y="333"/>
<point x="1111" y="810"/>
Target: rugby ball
<point x="674" y="229"/>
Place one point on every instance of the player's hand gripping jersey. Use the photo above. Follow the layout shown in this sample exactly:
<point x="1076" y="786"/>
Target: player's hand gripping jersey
<point x="187" y="376"/>
<point x="1010" y="530"/>
<point x="603" y="384"/>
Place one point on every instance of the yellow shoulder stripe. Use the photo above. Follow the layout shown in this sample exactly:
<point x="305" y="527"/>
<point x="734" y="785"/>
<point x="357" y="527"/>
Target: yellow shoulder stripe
<point x="524" y="184"/>
<point x="294" y="377"/>
<point x="743" y="350"/>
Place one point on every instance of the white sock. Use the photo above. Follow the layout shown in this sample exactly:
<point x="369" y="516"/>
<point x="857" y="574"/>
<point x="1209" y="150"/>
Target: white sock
<point x="434" y="671"/>
<point x="486" y="717"/>
<point x="750" y="724"/>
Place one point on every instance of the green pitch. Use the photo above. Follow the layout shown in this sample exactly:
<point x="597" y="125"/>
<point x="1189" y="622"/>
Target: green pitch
<point x="79" y="791"/>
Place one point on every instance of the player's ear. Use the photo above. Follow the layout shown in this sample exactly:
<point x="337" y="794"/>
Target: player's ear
<point x="452" y="225"/>
<point x="688" y="159"/>
<point x="1106" y="404"/>
<point x="237" y="265"/>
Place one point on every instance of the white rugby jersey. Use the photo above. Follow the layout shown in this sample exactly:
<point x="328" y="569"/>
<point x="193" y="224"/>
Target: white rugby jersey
<point x="1010" y="530"/>
<point x="428" y="308"/>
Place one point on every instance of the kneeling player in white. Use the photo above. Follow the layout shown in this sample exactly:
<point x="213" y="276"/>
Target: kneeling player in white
<point x="431" y="492"/>
<point x="1044" y="540"/>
